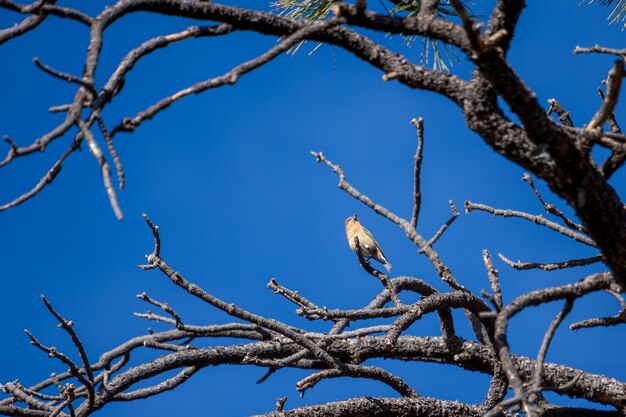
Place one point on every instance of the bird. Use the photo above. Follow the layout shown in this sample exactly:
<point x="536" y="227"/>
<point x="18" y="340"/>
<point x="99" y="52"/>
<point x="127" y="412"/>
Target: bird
<point x="367" y="244"/>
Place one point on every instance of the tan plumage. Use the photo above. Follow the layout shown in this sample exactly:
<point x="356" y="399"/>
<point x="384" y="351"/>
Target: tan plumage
<point x="368" y="245"/>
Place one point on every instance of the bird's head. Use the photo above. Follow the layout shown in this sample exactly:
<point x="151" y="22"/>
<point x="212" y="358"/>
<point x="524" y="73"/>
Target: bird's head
<point x="351" y="219"/>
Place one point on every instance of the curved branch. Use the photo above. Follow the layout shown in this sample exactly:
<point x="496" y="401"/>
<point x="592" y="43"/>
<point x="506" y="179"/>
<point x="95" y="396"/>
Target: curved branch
<point x="166" y="385"/>
<point x="44" y="181"/>
<point x="592" y="283"/>
<point x="21" y="28"/>
<point x="356" y="371"/>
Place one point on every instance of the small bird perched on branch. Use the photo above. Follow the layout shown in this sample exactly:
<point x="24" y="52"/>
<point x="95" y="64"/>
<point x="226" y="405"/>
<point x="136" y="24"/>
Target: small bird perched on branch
<point x="367" y="244"/>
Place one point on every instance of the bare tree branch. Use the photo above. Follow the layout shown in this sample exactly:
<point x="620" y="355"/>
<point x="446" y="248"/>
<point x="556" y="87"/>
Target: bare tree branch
<point x="444" y="227"/>
<point x="113" y="152"/>
<point x="65" y="76"/>
<point x="600" y="50"/>
<point x="68" y="327"/>
<point x="354" y="371"/>
<point x="563" y="114"/>
<point x="551" y="208"/>
<point x="417" y="193"/>
<point x="543" y="350"/>
<point x="540" y="220"/>
<point x="552" y="266"/>
<point x="494" y="281"/>
<point x="166" y="385"/>
<point x="45" y="180"/>
<point x="105" y="169"/>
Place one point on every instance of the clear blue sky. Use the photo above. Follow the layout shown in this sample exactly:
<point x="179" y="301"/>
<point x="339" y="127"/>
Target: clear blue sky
<point x="229" y="178"/>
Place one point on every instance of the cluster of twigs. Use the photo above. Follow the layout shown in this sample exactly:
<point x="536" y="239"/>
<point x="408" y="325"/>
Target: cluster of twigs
<point x="559" y="154"/>
<point x="86" y="387"/>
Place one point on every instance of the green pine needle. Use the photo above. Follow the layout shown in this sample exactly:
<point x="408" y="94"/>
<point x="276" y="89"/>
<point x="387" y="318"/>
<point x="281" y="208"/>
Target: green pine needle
<point x="320" y="9"/>
<point x="618" y="10"/>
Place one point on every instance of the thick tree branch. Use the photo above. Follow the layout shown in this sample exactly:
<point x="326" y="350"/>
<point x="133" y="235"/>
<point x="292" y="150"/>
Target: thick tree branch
<point x="391" y="407"/>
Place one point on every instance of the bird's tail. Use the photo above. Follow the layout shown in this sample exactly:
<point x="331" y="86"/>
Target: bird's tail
<point x="387" y="266"/>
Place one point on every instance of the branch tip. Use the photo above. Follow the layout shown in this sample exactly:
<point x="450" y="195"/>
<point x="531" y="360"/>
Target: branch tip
<point x="390" y="76"/>
<point x="319" y="156"/>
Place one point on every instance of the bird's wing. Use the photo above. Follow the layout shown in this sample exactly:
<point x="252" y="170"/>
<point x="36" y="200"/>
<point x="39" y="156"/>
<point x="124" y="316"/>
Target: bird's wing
<point x="369" y="234"/>
<point x="376" y="245"/>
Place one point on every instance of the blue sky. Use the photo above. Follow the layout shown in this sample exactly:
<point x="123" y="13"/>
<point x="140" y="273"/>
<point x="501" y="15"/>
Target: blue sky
<point x="229" y="178"/>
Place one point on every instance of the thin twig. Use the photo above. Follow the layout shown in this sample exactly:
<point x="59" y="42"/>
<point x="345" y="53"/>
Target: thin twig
<point x="155" y="234"/>
<point x="66" y="107"/>
<point x="494" y="281"/>
<point x="68" y="327"/>
<point x="443" y="228"/>
<point x="543" y="350"/>
<point x="520" y="266"/>
<point x="384" y="279"/>
<point x="47" y="179"/>
<point x="54" y="398"/>
<point x="65" y="76"/>
<point x="167" y="385"/>
<point x="234" y="330"/>
<point x="417" y="193"/>
<point x="293" y="296"/>
<point x="600" y="50"/>
<point x="356" y="371"/>
<point x="105" y="170"/>
<point x="539" y="219"/>
<point x="619" y="318"/>
<point x="121" y="177"/>
<point x="551" y="208"/>
<point x="163" y="306"/>
<point x="53" y="353"/>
